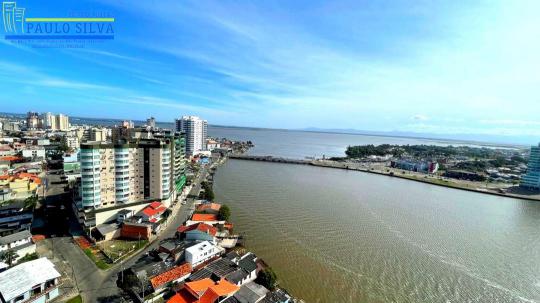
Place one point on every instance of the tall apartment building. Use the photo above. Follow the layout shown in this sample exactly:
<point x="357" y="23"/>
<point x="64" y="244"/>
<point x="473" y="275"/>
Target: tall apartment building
<point x="151" y="122"/>
<point x="53" y="122"/>
<point x="32" y="120"/>
<point x="532" y="178"/>
<point x="179" y="161"/>
<point x="62" y="122"/>
<point x="196" y="132"/>
<point x="128" y="174"/>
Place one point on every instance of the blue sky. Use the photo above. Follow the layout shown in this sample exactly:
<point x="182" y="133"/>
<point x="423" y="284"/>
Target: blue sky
<point x="438" y="67"/>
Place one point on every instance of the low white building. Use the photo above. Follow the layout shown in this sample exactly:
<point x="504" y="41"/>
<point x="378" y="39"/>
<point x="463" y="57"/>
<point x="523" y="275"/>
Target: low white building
<point x="34" y="281"/>
<point x="34" y="152"/>
<point x="202" y="252"/>
<point x="20" y="243"/>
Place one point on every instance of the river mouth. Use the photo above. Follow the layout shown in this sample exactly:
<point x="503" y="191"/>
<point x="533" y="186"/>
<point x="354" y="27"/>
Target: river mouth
<point x="342" y="236"/>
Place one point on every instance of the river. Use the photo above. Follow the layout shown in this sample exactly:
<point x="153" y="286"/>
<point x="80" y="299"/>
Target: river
<point x="343" y="236"/>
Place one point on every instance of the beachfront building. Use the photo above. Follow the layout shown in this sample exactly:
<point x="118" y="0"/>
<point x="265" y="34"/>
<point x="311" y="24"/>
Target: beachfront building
<point x="196" y="131"/>
<point x="531" y="179"/>
<point x="179" y="162"/>
<point x="33" y="281"/>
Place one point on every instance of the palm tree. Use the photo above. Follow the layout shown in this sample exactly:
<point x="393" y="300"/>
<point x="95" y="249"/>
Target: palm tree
<point x="8" y="256"/>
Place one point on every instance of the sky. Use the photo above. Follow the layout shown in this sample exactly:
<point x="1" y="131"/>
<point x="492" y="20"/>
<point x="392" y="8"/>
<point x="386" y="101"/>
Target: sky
<point x="440" y="67"/>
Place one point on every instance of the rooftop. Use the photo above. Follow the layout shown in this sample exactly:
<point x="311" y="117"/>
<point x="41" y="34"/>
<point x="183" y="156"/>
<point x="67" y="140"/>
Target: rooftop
<point x="15" y="237"/>
<point x="209" y="229"/>
<point x="21" y="278"/>
<point x="251" y="292"/>
<point x="171" y="275"/>
<point x="204" y="217"/>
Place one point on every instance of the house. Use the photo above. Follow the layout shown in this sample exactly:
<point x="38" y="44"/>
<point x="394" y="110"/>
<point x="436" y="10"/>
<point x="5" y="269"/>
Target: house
<point x="204" y="291"/>
<point x="176" y="274"/>
<point x="14" y="217"/>
<point x="108" y="232"/>
<point x="20" y="243"/>
<point x="34" y="152"/>
<point x="218" y="269"/>
<point x="209" y="208"/>
<point x="124" y="214"/>
<point x="32" y="281"/>
<point x="251" y="293"/>
<point x="198" y="232"/>
<point x="202" y="252"/>
<point x="277" y="296"/>
<point x="153" y="212"/>
<point x="133" y="230"/>
<point x="210" y="219"/>
<point x="174" y="249"/>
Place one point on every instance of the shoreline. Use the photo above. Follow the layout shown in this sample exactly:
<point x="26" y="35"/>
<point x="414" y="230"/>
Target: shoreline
<point x="338" y="165"/>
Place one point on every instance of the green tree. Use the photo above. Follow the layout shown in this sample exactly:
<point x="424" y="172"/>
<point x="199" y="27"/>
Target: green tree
<point x="28" y="257"/>
<point x="224" y="213"/>
<point x="267" y="278"/>
<point x="208" y="192"/>
<point x="8" y="256"/>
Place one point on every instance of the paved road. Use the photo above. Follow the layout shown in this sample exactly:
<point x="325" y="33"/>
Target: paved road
<point x="96" y="285"/>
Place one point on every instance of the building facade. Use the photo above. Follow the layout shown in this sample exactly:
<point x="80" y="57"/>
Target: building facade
<point x="125" y="173"/>
<point x="531" y="179"/>
<point x="196" y="132"/>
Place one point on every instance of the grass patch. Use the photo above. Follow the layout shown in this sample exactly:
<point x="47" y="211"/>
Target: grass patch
<point x="120" y="249"/>
<point x="99" y="263"/>
<point x="77" y="299"/>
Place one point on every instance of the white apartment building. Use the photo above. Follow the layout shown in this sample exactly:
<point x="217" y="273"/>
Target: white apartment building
<point x="201" y="252"/>
<point x="196" y="132"/>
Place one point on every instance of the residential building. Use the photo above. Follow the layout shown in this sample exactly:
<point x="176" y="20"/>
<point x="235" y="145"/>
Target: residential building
<point x="34" y="152"/>
<point x="19" y="242"/>
<point x="153" y="212"/>
<point x="179" y="161"/>
<point x="531" y="179"/>
<point x="98" y="134"/>
<point x="14" y="217"/>
<point x="176" y="274"/>
<point x="204" y="291"/>
<point x="196" y="131"/>
<point x="33" y="281"/>
<point x="48" y="121"/>
<point x="72" y="142"/>
<point x="209" y="208"/>
<point x="251" y="293"/>
<point x="125" y="172"/>
<point x="32" y="120"/>
<point x="136" y="231"/>
<point x="151" y="122"/>
<point x="202" y="252"/>
<point x="198" y="232"/>
<point x="62" y="122"/>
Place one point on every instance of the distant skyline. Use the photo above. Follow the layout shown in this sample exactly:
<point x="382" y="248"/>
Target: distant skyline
<point x="442" y="68"/>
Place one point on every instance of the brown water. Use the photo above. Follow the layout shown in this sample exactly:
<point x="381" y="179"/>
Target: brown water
<point x="342" y="236"/>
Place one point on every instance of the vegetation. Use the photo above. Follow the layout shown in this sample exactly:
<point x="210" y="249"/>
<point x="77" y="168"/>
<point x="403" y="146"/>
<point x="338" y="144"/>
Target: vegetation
<point x="28" y="257"/>
<point x="77" y="299"/>
<point x="99" y="262"/>
<point x="224" y="213"/>
<point x="30" y="202"/>
<point x="8" y="256"/>
<point x="426" y="151"/>
<point x="267" y="278"/>
<point x="208" y="192"/>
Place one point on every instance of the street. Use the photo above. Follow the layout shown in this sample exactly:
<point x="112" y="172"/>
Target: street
<point x="97" y="285"/>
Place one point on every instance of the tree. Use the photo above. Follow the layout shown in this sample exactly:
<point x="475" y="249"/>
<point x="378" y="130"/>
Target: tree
<point x="224" y="213"/>
<point x="208" y="192"/>
<point x="8" y="256"/>
<point x="267" y="278"/>
<point x="28" y="257"/>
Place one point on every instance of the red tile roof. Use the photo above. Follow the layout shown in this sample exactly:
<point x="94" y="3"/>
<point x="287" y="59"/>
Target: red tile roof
<point x="155" y="208"/>
<point x="171" y="275"/>
<point x="182" y="296"/>
<point x="209" y="229"/>
<point x="209" y="291"/>
<point x="10" y="158"/>
<point x="204" y="217"/>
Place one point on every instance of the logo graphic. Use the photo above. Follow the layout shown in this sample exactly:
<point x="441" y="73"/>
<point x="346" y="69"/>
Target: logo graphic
<point x="72" y="31"/>
<point x="12" y="14"/>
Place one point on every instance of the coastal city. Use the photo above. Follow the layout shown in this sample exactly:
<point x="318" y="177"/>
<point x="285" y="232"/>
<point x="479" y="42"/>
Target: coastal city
<point x="133" y="205"/>
<point x="217" y="151"/>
